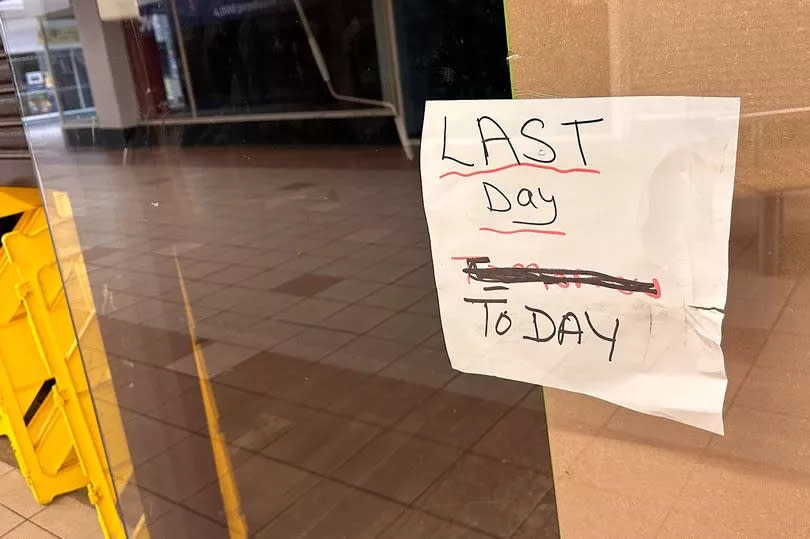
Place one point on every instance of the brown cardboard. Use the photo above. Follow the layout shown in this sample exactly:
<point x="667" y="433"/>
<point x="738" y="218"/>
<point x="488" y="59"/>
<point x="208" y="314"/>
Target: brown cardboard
<point x="623" y="474"/>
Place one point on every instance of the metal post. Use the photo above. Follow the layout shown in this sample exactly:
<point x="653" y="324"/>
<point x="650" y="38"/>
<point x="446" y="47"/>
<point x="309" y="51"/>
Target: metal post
<point x="76" y="78"/>
<point x="42" y="30"/>
<point x="192" y="101"/>
<point x="770" y="233"/>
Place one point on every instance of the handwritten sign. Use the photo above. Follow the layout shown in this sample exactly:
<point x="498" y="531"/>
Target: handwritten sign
<point x="582" y="244"/>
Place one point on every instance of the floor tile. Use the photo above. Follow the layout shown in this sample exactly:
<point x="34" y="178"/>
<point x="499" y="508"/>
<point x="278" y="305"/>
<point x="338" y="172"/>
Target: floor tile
<point x="161" y="315"/>
<point x="489" y="388"/>
<point x="743" y="345"/>
<point x="179" y="248"/>
<point x="308" y="285"/>
<point x="414" y="524"/>
<point x="587" y="511"/>
<point x="657" y="430"/>
<point x="369" y="235"/>
<point x="387" y="272"/>
<point x="269" y="373"/>
<point x="573" y="419"/>
<point x="436" y="342"/>
<point x="180" y="523"/>
<point x="786" y="351"/>
<point x="334" y="510"/>
<point x="357" y="318"/>
<point x="264" y="335"/>
<point x="313" y="344"/>
<point x="98" y="251"/>
<point x="310" y="311"/>
<point x="392" y="400"/>
<point x="325" y="387"/>
<point x="793" y="319"/>
<point x="305" y="262"/>
<point x="349" y="290"/>
<point x="720" y="495"/>
<point x="452" y="418"/>
<point x="9" y="520"/>
<point x="542" y="522"/>
<point x="216" y="356"/>
<point x="520" y="437"/>
<point x="397" y="466"/>
<point x="366" y="354"/>
<point x="144" y="344"/>
<point x="428" y="305"/>
<point x="736" y="373"/>
<point x="8" y="462"/>
<point x="137" y="504"/>
<point x="776" y="390"/>
<point x="225" y="323"/>
<point x="109" y="301"/>
<point x="16" y="494"/>
<point x="232" y="275"/>
<point x="28" y="530"/>
<point x="147" y="437"/>
<point x="249" y="302"/>
<point x="68" y="518"/>
<point x="752" y="313"/>
<point x="761" y="438"/>
<point x="265" y="489"/>
<point x="421" y="277"/>
<point x="258" y="422"/>
<point x="186" y="410"/>
<point x="407" y="328"/>
<point x="630" y="466"/>
<point x="394" y="297"/>
<point x="321" y="443"/>
<point x="179" y="472"/>
<point x="486" y="494"/>
<point x="421" y="366"/>
<point x="265" y="259"/>
<point x="270" y="279"/>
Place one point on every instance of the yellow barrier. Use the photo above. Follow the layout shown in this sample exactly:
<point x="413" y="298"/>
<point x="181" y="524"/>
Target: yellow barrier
<point x="46" y="408"/>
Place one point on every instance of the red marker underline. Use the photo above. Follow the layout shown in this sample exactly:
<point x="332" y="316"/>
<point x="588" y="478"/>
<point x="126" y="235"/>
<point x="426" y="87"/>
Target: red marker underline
<point x="513" y="165"/>
<point x="523" y="230"/>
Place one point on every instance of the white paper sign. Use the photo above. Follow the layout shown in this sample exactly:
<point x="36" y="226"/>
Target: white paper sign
<point x="582" y="244"/>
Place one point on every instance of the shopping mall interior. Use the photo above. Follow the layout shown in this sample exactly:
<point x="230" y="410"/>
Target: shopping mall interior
<point x="244" y="179"/>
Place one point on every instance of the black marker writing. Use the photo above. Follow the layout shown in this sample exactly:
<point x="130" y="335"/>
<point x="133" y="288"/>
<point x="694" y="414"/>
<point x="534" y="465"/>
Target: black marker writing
<point x="486" y="303"/>
<point x="552" y="276"/>
<point x="501" y="329"/>
<point x="444" y="148"/>
<point x="569" y="316"/>
<point x="611" y="340"/>
<point x="543" y="326"/>
<point x="544" y="143"/>
<point x="576" y="124"/>
<point x="504" y="137"/>
<point x="537" y="337"/>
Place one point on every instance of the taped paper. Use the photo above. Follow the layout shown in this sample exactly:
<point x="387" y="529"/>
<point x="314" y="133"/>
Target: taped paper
<point x="582" y="244"/>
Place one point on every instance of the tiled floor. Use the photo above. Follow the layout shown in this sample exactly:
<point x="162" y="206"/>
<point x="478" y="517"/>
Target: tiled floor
<point x="21" y="517"/>
<point x="311" y="290"/>
<point x="682" y="482"/>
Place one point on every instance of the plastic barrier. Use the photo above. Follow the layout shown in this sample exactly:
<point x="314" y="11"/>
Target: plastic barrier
<point x="46" y="408"/>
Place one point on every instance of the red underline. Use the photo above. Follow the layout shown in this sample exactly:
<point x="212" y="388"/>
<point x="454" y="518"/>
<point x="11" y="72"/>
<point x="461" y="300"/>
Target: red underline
<point x="522" y="230"/>
<point x="513" y="165"/>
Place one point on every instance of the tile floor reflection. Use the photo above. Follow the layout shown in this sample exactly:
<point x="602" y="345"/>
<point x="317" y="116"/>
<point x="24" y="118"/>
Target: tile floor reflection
<point x="311" y="287"/>
<point x="678" y="481"/>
